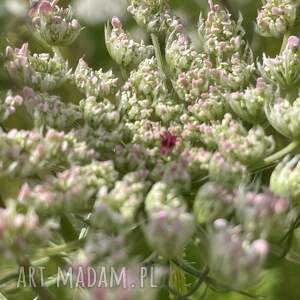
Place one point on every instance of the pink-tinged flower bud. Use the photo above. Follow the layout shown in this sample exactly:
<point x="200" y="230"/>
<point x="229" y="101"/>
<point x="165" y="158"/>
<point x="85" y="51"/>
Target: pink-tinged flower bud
<point x="116" y="23"/>
<point x="44" y="7"/>
<point x="98" y="84"/>
<point x="28" y="92"/>
<point x="276" y="17"/>
<point x="38" y="71"/>
<point x="169" y="231"/>
<point x="75" y="24"/>
<point x="261" y="247"/>
<point x="276" y="11"/>
<point x="215" y="7"/>
<point x="220" y="223"/>
<point x="9" y="104"/>
<point x="263" y="214"/>
<point x="293" y="42"/>
<point x="55" y="25"/>
<point x="260" y="83"/>
<point x="24" y="50"/>
<point x="56" y="20"/>
<point x="233" y="259"/>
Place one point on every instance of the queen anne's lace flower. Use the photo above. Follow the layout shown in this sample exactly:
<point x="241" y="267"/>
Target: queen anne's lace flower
<point x="39" y="71"/>
<point x="47" y="110"/>
<point x="285" y="179"/>
<point x="284" y="116"/>
<point x="21" y="231"/>
<point x="234" y="259"/>
<point x="105" y="175"/>
<point x="122" y="49"/>
<point x="95" y="83"/>
<point x="276" y="17"/>
<point x="55" y="24"/>
<point x="284" y="69"/>
<point x="8" y="105"/>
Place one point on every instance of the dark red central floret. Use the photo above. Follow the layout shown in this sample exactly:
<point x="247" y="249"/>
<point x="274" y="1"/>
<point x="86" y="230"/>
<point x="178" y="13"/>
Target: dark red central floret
<point x="167" y="143"/>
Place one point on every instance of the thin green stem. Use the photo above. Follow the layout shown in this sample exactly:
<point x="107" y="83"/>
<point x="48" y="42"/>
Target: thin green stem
<point x="124" y="73"/>
<point x="52" y="251"/>
<point x="284" y="41"/>
<point x="57" y="51"/>
<point x="190" y="270"/>
<point x="177" y="280"/>
<point x="278" y="155"/>
<point x="158" y="54"/>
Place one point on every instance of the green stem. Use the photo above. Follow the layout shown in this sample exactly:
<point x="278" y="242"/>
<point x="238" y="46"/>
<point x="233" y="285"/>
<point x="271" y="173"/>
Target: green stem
<point x="57" y="51"/>
<point x="71" y="246"/>
<point x="284" y="41"/>
<point x="177" y="280"/>
<point x="278" y="155"/>
<point x="124" y="73"/>
<point x="191" y="270"/>
<point x="158" y="54"/>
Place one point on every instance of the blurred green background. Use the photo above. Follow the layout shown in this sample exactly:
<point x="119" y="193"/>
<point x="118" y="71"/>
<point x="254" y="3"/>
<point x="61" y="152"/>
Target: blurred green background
<point x="282" y="282"/>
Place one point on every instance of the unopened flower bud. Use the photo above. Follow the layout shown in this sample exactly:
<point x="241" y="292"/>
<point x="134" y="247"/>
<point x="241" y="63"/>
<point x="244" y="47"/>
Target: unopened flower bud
<point x="95" y="83"/>
<point x="168" y="231"/>
<point x="39" y="71"/>
<point x="122" y="48"/>
<point x="234" y="260"/>
<point x="284" y="69"/>
<point x="212" y="201"/>
<point x="56" y="25"/>
<point x="276" y="17"/>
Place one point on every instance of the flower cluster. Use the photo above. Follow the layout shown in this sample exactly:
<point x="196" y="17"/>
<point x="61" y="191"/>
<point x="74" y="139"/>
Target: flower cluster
<point x="233" y="259"/>
<point x="154" y="15"/>
<point x="233" y="141"/>
<point x="249" y="104"/>
<point x="283" y="115"/>
<point x="125" y="51"/>
<point x="8" y="105"/>
<point x="284" y="69"/>
<point x="212" y="201"/>
<point x="285" y="179"/>
<point x="48" y="110"/>
<point x="55" y="25"/>
<point x="276" y="17"/>
<point x="71" y="190"/>
<point x="39" y="71"/>
<point x="263" y="214"/>
<point x="20" y="231"/>
<point x="167" y="215"/>
<point x="94" y="83"/>
<point x="27" y="153"/>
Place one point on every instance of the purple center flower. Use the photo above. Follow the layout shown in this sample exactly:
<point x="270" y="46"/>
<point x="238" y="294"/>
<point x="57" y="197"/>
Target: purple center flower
<point x="168" y="142"/>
